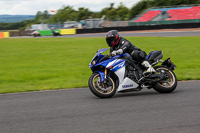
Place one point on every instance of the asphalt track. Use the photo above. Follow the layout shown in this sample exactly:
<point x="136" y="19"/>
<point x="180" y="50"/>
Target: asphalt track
<point x="132" y="33"/>
<point x="79" y="111"/>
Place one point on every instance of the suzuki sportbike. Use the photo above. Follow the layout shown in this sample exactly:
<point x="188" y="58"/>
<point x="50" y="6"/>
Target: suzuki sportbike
<point x="121" y="73"/>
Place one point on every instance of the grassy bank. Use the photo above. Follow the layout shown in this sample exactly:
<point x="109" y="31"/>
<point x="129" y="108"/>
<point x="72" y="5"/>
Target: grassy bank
<point x="55" y="63"/>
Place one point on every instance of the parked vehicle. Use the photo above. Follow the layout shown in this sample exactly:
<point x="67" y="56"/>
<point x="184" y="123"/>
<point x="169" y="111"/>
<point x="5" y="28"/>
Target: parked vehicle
<point x="56" y="33"/>
<point x="36" y="33"/>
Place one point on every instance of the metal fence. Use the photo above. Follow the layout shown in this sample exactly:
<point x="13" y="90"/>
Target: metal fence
<point x="115" y="24"/>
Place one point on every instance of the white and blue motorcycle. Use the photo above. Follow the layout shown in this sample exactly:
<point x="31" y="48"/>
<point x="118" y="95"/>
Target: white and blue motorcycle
<point x="121" y="73"/>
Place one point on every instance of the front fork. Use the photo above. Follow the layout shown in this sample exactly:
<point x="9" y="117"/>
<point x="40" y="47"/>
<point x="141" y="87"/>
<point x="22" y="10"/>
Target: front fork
<point x="103" y="75"/>
<point x="106" y="72"/>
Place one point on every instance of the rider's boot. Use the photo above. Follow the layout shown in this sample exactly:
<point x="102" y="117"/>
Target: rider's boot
<point x="150" y="69"/>
<point x="147" y="73"/>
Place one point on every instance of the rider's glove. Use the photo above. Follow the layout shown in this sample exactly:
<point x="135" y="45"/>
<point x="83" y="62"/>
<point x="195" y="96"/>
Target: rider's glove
<point x="114" y="53"/>
<point x="120" y="51"/>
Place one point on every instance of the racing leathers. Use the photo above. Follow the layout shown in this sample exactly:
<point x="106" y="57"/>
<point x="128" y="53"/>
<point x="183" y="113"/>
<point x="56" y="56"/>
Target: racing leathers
<point x="125" y="46"/>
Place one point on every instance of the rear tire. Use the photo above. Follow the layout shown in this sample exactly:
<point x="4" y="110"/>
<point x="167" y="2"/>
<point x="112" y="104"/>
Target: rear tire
<point x="168" y="85"/>
<point x="100" y="89"/>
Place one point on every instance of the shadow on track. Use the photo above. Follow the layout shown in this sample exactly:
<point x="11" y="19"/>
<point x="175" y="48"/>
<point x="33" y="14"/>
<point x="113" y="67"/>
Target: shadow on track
<point x="143" y="93"/>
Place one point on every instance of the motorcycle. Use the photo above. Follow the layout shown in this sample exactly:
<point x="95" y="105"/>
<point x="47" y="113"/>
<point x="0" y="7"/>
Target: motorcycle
<point x="121" y="73"/>
<point x="56" y="33"/>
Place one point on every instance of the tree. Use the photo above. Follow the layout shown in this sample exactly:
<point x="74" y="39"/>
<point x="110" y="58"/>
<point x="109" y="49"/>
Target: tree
<point x="83" y="13"/>
<point x="38" y="15"/>
<point x="42" y="16"/>
<point x="122" y="12"/>
<point x="111" y="6"/>
<point x="138" y="8"/>
<point x="65" y="14"/>
<point x="46" y="14"/>
<point x="110" y="12"/>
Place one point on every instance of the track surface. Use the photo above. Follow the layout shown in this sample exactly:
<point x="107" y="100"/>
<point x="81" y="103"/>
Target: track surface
<point x="132" y="33"/>
<point x="79" y="111"/>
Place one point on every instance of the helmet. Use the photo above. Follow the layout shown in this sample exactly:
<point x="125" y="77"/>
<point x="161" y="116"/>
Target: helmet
<point x="112" y="38"/>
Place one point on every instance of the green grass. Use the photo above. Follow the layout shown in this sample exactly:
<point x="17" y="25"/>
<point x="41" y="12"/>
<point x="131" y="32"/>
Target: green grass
<point x="56" y="63"/>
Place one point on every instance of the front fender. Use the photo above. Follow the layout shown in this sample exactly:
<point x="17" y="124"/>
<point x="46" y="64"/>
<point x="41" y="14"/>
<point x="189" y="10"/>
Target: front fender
<point x="102" y="75"/>
<point x="116" y="66"/>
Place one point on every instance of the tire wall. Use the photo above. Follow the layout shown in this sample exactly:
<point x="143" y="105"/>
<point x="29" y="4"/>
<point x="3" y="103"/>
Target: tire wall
<point x="4" y="35"/>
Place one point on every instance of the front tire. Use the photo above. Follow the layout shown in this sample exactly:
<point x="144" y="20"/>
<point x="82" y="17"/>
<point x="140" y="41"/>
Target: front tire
<point x="99" y="89"/>
<point x="168" y="85"/>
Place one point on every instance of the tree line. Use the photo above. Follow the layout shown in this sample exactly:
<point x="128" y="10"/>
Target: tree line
<point x="119" y="13"/>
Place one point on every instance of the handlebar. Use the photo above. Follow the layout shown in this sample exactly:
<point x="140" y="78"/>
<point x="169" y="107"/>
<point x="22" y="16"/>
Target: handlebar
<point x="110" y="55"/>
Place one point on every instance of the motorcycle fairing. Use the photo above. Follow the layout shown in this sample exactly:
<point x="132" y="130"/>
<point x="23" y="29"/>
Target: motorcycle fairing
<point x="127" y="84"/>
<point x="116" y="64"/>
<point x="102" y="75"/>
<point x="105" y="63"/>
<point x="98" y="55"/>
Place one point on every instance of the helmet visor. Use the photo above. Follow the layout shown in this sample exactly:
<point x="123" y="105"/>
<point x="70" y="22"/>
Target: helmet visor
<point x="109" y="41"/>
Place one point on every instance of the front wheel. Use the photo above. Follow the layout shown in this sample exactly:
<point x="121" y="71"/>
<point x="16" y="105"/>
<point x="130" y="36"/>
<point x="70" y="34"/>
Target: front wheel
<point x="169" y="84"/>
<point x="100" y="89"/>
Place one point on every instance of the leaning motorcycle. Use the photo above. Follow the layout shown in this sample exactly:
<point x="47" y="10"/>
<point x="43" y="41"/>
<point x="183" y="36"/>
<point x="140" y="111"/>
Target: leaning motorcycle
<point x="121" y="73"/>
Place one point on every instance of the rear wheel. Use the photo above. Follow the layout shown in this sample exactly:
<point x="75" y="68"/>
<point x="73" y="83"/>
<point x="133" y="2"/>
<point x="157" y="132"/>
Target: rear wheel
<point x="169" y="84"/>
<point x="100" y="89"/>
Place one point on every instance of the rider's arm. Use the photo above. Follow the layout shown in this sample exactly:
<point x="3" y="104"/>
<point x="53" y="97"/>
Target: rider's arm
<point x="125" y="46"/>
<point x="111" y="50"/>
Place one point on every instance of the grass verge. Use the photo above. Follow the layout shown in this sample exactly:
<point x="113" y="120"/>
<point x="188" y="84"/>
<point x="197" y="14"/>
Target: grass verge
<point x="56" y="63"/>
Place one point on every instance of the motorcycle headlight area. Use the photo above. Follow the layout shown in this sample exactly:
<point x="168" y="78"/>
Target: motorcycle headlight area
<point x="93" y="62"/>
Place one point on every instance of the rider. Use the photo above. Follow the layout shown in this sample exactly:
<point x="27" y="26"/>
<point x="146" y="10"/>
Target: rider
<point x="119" y="45"/>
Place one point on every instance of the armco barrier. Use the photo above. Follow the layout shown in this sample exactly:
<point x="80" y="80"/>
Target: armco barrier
<point x="1" y="35"/>
<point x="67" y="31"/>
<point x="19" y="33"/>
<point x="4" y="34"/>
